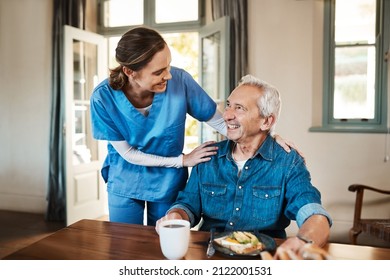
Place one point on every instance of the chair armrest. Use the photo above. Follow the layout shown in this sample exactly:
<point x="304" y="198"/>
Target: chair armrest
<point x="359" y="225"/>
<point x="358" y="187"/>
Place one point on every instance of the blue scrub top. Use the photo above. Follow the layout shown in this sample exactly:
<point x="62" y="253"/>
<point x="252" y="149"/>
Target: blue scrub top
<point x="161" y="133"/>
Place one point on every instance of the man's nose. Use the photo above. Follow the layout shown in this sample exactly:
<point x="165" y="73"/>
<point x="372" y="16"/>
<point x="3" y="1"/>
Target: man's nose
<point x="228" y="114"/>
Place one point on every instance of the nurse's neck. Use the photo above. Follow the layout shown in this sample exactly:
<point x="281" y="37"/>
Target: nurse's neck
<point x="139" y="98"/>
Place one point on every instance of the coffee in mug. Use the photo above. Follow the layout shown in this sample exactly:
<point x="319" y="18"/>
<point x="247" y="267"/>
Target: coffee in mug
<point x="174" y="238"/>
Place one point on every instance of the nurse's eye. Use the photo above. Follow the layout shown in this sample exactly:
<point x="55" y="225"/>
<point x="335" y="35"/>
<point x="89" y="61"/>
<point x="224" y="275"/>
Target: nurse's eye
<point x="162" y="71"/>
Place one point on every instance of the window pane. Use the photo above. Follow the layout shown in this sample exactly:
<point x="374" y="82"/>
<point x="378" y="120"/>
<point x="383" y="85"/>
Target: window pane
<point x="85" y="75"/>
<point x="112" y="44"/>
<point x="355" y="21"/>
<point x="184" y="50"/>
<point x="210" y="72"/>
<point x="123" y="12"/>
<point x="354" y="84"/>
<point x="176" y="10"/>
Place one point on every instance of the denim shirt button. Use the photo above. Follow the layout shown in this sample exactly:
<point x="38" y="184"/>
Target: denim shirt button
<point x="240" y="187"/>
<point x="237" y="209"/>
<point x="212" y="193"/>
<point x="231" y="223"/>
<point x="266" y="195"/>
<point x="246" y="167"/>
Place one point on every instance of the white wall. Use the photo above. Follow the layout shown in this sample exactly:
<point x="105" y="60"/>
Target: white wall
<point x="25" y="101"/>
<point x="285" y="49"/>
<point x="25" y="62"/>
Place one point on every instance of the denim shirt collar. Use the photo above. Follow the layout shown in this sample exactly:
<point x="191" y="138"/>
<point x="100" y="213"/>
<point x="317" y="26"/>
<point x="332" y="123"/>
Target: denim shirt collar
<point x="265" y="151"/>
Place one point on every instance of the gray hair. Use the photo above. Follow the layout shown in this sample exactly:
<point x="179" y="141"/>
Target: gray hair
<point x="269" y="103"/>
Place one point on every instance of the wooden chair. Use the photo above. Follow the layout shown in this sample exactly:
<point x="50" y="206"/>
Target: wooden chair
<point x="379" y="228"/>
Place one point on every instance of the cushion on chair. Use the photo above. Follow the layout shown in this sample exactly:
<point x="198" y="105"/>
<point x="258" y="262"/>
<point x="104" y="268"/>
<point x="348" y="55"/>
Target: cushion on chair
<point x="378" y="228"/>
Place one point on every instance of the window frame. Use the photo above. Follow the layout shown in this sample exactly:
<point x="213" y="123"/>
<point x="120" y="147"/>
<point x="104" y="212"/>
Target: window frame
<point x="379" y="123"/>
<point x="150" y="21"/>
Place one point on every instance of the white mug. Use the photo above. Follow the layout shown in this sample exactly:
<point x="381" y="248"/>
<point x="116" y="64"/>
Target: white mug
<point x="174" y="238"/>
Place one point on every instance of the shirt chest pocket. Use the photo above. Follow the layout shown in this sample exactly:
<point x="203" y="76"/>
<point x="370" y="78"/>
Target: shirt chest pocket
<point x="266" y="203"/>
<point x="214" y="200"/>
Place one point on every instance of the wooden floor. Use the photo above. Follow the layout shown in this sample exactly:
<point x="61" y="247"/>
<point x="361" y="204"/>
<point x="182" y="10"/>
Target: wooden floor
<point x="18" y="230"/>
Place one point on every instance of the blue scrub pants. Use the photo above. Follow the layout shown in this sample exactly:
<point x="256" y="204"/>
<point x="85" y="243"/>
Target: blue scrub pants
<point x="127" y="210"/>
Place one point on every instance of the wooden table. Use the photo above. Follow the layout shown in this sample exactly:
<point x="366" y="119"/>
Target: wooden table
<point x="100" y="240"/>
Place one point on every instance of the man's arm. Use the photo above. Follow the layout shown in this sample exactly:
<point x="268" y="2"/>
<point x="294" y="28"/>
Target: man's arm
<point x="187" y="205"/>
<point x="315" y="230"/>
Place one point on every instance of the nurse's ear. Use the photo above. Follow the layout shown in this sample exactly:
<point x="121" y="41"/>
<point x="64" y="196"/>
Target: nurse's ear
<point x="128" y="72"/>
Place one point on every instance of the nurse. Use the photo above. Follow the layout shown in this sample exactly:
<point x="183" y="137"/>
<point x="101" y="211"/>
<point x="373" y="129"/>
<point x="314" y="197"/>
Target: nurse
<point x="141" y="111"/>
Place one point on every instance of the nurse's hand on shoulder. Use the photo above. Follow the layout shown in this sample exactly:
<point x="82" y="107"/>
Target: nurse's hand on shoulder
<point x="287" y="145"/>
<point x="200" y="154"/>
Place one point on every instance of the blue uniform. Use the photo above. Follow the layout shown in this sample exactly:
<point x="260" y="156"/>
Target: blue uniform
<point x="161" y="133"/>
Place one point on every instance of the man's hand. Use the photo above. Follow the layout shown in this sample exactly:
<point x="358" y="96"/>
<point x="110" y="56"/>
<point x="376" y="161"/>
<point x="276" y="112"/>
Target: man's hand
<point x="314" y="230"/>
<point x="173" y="215"/>
<point x="299" y="251"/>
<point x="289" y="249"/>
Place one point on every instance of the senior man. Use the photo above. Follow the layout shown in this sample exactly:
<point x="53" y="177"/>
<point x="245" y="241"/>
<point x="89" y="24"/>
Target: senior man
<point x="252" y="183"/>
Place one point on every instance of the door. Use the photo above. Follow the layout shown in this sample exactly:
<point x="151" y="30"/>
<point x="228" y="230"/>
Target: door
<point x="214" y="68"/>
<point x="84" y="67"/>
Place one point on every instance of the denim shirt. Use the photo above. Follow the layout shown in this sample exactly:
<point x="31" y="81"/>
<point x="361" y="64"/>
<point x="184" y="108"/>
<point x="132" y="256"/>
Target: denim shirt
<point x="274" y="187"/>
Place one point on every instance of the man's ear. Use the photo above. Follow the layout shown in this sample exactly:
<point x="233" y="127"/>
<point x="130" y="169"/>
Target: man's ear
<point x="268" y="123"/>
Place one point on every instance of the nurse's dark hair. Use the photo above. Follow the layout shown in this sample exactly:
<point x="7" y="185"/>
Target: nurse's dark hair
<point x="135" y="50"/>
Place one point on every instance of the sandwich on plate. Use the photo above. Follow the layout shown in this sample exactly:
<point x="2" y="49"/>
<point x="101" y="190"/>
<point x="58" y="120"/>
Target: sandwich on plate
<point x="240" y="242"/>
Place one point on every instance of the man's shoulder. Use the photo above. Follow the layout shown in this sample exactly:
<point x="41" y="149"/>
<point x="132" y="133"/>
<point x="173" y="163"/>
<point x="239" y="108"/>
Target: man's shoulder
<point x="279" y="153"/>
<point x="223" y="148"/>
<point x="222" y="143"/>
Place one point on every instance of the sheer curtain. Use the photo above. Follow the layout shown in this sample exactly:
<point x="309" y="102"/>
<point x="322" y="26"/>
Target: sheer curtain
<point x="237" y="10"/>
<point x="65" y="12"/>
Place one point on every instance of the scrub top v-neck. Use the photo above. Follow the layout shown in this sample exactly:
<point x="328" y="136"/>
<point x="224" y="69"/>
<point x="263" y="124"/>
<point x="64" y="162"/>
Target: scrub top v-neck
<point x="161" y="133"/>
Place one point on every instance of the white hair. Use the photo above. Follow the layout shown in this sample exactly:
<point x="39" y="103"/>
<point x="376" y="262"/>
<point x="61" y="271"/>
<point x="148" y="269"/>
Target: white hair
<point x="269" y="103"/>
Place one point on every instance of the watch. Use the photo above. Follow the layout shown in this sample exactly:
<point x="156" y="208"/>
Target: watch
<point x="304" y="239"/>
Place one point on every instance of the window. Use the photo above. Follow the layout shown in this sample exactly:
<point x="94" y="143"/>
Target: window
<point x="183" y="11"/>
<point x="117" y="16"/>
<point x="127" y="13"/>
<point x="356" y="42"/>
